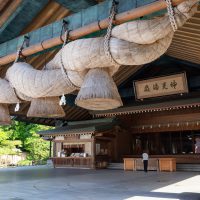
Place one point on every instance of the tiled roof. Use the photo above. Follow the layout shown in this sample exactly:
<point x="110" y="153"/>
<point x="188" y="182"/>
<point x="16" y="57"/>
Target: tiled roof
<point x="90" y="126"/>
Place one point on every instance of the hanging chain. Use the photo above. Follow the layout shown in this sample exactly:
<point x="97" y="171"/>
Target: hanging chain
<point x="107" y="37"/>
<point x="170" y="11"/>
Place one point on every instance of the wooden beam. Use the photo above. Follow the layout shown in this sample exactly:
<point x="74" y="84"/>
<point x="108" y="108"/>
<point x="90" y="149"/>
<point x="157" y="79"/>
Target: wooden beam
<point x="169" y="105"/>
<point x="185" y="57"/>
<point x="183" y="62"/>
<point x="196" y="39"/>
<point x="9" y="11"/>
<point x="76" y="5"/>
<point x="189" y="59"/>
<point x="164" y="119"/>
<point x="184" y="54"/>
<point x="20" y="18"/>
<point x="49" y="14"/>
<point x="191" y="34"/>
<point x="82" y="24"/>
<point x="185" y="44"/>
<point x="191" y="23"/>
<point x="196" y="18"/>
<point x="34" y="121"/>
<point x="3" y="3"/>
<point x="189" y="51"/>
<point x="188" y="29"/>
<point x="185" y="41"/>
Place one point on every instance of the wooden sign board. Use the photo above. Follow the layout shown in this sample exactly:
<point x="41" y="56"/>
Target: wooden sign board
<point x="72" y="137"/>
<point x="59" y="138"/>
<point x="161" y="86"/>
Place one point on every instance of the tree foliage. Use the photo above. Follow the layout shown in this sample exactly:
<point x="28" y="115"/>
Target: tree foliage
<point x="23" y="136"/>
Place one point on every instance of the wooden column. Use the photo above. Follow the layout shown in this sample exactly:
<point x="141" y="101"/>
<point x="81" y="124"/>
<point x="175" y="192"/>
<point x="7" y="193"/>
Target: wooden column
<point x="54" y="149"/>
<point x="93" y="152"/>
<point x="50" y="148"/>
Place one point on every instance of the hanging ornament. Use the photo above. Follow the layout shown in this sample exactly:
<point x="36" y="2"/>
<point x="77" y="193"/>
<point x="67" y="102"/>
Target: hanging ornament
<point x="63" y="100"/>
<point x="17" y="107"/>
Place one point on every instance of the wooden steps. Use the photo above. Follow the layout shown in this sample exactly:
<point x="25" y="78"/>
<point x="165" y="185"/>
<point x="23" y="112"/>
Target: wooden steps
<point x="119" y="166"/>
<point x="188" y="167"/>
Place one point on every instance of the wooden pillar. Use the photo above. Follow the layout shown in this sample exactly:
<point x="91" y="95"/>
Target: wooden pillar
<point x="181" y="143"/>
<point x="193" y="142"/>
<point x="54" y="150"/>
<point x="170" y="142"/>
<point x="157" y="143"/>
<point x="58" y="148"/>
<point x="93" y="152"/>
<point x="50" y="148"/>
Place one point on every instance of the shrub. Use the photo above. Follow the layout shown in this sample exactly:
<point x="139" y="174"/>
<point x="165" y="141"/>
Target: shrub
<point x="24" y="163"/>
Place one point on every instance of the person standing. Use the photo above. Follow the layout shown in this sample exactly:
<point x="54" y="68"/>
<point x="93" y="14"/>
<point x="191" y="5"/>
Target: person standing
<point x="145" y="158"/>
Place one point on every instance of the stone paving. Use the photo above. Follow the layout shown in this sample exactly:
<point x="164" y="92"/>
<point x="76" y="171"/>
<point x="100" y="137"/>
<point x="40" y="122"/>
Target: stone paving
<point x="44" y="183"/>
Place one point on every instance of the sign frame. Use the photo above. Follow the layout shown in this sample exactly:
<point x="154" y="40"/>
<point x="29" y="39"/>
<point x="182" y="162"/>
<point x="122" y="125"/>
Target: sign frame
<point x="158" y="78"/>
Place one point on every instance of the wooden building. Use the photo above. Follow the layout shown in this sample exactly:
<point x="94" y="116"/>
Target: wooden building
<point x="167" y="125"/>
<point x="88" y="144"/>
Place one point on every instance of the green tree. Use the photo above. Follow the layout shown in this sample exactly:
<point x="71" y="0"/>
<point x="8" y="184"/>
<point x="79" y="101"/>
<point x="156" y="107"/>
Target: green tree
<point x="24" y="136"/>
<point x="38" y="148"/>
<point x="3" y="135"/>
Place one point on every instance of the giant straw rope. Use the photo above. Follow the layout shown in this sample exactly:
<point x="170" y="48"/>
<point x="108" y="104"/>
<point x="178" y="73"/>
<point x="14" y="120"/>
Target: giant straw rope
<point x="133" y="43"/>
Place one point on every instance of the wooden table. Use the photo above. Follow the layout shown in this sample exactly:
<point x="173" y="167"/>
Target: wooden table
<point x="152" y="164"/>
<point x="159" y="164"/>
<point x="85" y="162"/>
<point x="129" y="164"/>
<point x="167" y="164"/>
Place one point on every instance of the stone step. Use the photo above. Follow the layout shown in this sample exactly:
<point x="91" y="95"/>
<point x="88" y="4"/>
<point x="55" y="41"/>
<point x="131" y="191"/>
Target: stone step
<point x="188" y="167"/>
<point x="116" y="166"/>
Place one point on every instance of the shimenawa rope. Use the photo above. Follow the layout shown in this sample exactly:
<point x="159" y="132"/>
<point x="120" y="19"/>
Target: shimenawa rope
<point x="63" y="70"/>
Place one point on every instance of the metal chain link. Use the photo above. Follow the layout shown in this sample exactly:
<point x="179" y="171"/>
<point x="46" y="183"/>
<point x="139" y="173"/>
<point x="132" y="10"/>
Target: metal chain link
<point x="63" y="70"/>
<point x="107" y="37"/>
<point x="170" y="11"/>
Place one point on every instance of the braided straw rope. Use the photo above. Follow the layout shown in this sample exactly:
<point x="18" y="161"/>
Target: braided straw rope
<point x="107" y="37"/>
<point x="171" y="15"/>
<point x="18" y="54"/>
<point x="63" y="70"/>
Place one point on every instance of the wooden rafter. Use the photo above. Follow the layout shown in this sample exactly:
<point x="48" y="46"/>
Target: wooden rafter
<point x="18" y="16"/>
<point x="10" y="8"/>
<point x="77" y="5"/>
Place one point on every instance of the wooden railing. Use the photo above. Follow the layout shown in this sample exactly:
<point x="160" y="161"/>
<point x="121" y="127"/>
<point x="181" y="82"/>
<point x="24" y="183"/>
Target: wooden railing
<point x="82" y="162"/>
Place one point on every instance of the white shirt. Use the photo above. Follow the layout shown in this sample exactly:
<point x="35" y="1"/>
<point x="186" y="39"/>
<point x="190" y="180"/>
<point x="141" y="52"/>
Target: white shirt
<point x="145" y="156"/>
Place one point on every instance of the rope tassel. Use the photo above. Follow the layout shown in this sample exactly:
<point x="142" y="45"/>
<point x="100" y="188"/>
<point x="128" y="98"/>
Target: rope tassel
<point x="62" y="100"/>
<point x="17" y="107"/>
